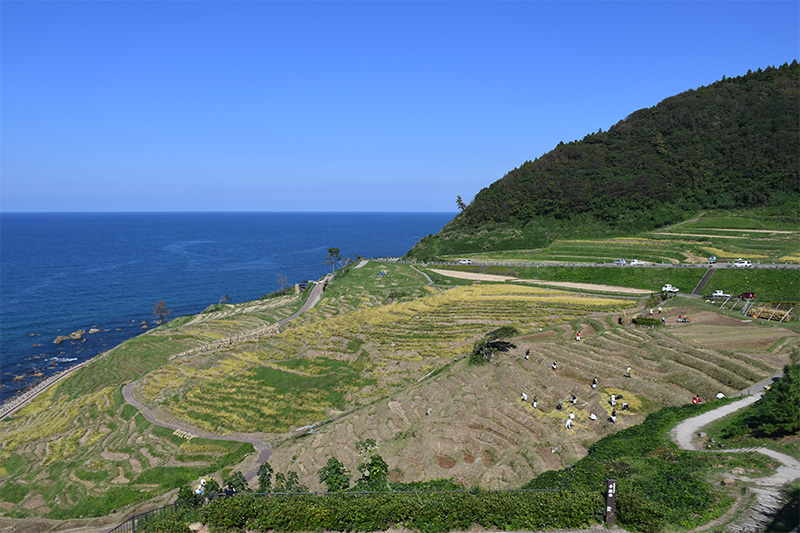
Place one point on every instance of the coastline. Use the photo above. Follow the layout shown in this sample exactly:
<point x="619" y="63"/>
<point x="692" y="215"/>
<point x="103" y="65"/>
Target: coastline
<point x="48" y="259"/>
<point x="17" y="402"/>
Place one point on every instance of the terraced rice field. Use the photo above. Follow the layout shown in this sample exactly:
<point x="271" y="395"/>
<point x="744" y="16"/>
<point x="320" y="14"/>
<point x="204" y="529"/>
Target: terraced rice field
<point x="728" y="236"/>
<point x="367" y="353"/>
<point x="469" y="423"/>
<point x="88" y="455"/>
<point x="77" y="449"/>
<point x="383" y="354"/>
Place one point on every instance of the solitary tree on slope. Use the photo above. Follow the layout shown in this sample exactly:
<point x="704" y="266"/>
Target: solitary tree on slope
<point x="161" y="311"/>
<point x="334" y="255"/>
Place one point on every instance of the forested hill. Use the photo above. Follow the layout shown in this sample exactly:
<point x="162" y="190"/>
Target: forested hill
<point x="732" y="144"/>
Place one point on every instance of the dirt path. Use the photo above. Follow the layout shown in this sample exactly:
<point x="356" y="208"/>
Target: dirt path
<point x="699" y="235"/>
<point x="768" y="489"/>
<point x="474" y="276"/>
<point x="262" y="448"/>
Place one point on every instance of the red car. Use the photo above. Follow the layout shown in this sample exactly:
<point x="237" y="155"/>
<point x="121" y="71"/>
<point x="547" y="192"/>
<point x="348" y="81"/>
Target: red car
<point x="746" y="296"/>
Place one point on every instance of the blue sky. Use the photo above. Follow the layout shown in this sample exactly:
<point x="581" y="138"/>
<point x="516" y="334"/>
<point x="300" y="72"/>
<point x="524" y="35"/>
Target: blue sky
<point x="337" y="106"/>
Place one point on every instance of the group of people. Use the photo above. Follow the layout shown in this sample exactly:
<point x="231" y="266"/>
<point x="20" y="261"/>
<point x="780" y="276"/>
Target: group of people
<point x="574" y="400"/>
<point x="229" y="490"/>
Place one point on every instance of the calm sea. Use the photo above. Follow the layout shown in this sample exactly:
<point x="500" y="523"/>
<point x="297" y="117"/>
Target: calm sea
<point x="61" y="272"/>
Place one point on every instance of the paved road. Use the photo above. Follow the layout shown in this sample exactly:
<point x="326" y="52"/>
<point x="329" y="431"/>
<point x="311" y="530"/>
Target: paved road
<point x="768" y="489"/>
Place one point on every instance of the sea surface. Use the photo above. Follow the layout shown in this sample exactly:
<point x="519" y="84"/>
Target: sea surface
<point x="62" y="272"/>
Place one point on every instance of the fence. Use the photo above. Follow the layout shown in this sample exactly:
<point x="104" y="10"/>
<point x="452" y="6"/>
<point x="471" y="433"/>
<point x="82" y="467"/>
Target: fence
<point x="139" y="520"/>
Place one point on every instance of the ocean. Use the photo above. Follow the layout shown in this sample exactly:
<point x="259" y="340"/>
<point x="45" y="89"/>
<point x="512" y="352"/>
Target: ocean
<point x="63" y="272"/>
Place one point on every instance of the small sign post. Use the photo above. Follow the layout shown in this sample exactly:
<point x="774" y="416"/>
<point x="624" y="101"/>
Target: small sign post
<point x="611" y="495"/>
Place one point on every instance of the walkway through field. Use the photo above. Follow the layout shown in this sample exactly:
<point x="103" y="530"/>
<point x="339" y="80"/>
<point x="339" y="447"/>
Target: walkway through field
<point x="262" y="448"/>
<point x="768" y="489"/>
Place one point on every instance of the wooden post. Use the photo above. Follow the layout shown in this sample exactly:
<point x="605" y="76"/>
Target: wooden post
<point x="611" y="496"/>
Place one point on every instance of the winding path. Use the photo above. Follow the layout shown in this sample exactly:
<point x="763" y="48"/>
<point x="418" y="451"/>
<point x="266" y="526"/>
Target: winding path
<point x="768" y="489"/>
<point x="262" y="448"/>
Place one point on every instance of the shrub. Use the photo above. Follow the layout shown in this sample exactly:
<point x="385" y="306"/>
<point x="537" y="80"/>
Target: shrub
<point x="334" y="475"/>
<point x="776" y="414"/>
<point x="640" y="513"/>
<point x="432" y="512"/>
<point x="646" y="321"/>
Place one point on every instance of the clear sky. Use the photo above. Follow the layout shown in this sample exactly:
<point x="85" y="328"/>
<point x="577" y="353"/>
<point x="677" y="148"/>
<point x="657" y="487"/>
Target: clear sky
<point x="337" y="106"/>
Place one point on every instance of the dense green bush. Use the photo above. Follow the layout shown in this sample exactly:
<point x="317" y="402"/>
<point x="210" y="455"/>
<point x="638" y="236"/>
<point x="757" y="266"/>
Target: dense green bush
<point x="640" y="513"/>
<point x="645" y="321"/>
<point x="648" y="467"/>
<point x="775" y="415"/>
<point x="422" y="511"/>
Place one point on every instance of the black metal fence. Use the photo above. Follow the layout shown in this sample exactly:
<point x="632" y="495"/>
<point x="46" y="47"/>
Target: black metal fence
<point x="139" y="520"/>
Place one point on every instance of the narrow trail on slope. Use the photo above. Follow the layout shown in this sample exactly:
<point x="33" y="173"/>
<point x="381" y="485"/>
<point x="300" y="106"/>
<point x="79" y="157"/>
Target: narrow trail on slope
<point x="263" y="448"/>
<point x="768" y="489"/>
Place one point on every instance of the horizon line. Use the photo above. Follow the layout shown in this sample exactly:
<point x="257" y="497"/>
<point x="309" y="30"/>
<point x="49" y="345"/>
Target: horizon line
<point x="207" y="212"/>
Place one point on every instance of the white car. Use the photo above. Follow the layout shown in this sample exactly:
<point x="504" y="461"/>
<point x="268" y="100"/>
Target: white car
<point x="669" y="288"/>
<point x="741" y="263"/>
<point x="720" y="294"/>
<point x="465" y="262"/>
<point x="635" y="262"/>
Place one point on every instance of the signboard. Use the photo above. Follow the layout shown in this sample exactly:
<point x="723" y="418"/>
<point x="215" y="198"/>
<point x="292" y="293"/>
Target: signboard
<point x="611" y="496"/>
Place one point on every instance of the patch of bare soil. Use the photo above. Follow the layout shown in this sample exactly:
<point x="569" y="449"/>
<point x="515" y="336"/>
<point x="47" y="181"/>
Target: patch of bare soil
<point x="538" y="336"/>
<point x="474" y="276"/>
<point x="699" y="235"/>
<point x="113" y="456"/>
<point x="445" y="462"/>
<point x="36" y="501"/>
<point x="551" y="459"/>
<point x="39" y="525"/>
<point x="692" y="258"/>
<point x="589" y="287"/>
<point x="718" y="334"/>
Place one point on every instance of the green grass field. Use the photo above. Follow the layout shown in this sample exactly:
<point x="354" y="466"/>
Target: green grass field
<point x="726" y="235"/>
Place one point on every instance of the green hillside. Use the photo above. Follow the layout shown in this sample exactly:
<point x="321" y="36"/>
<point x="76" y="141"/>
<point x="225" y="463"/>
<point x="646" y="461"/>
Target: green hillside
<point x="734" y="144"/>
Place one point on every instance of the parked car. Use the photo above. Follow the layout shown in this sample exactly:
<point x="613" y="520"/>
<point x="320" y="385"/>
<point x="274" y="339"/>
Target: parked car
<point x="465" y="262"/>
<point x="720" y="294"/>
<point x="669" y="288"/>
<point x="746" y="296"/>
<point x="620" y="262"/>
<point x="712" y="259"/>
<point x="741" y="263"/>
<point x="635" y="262"/>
